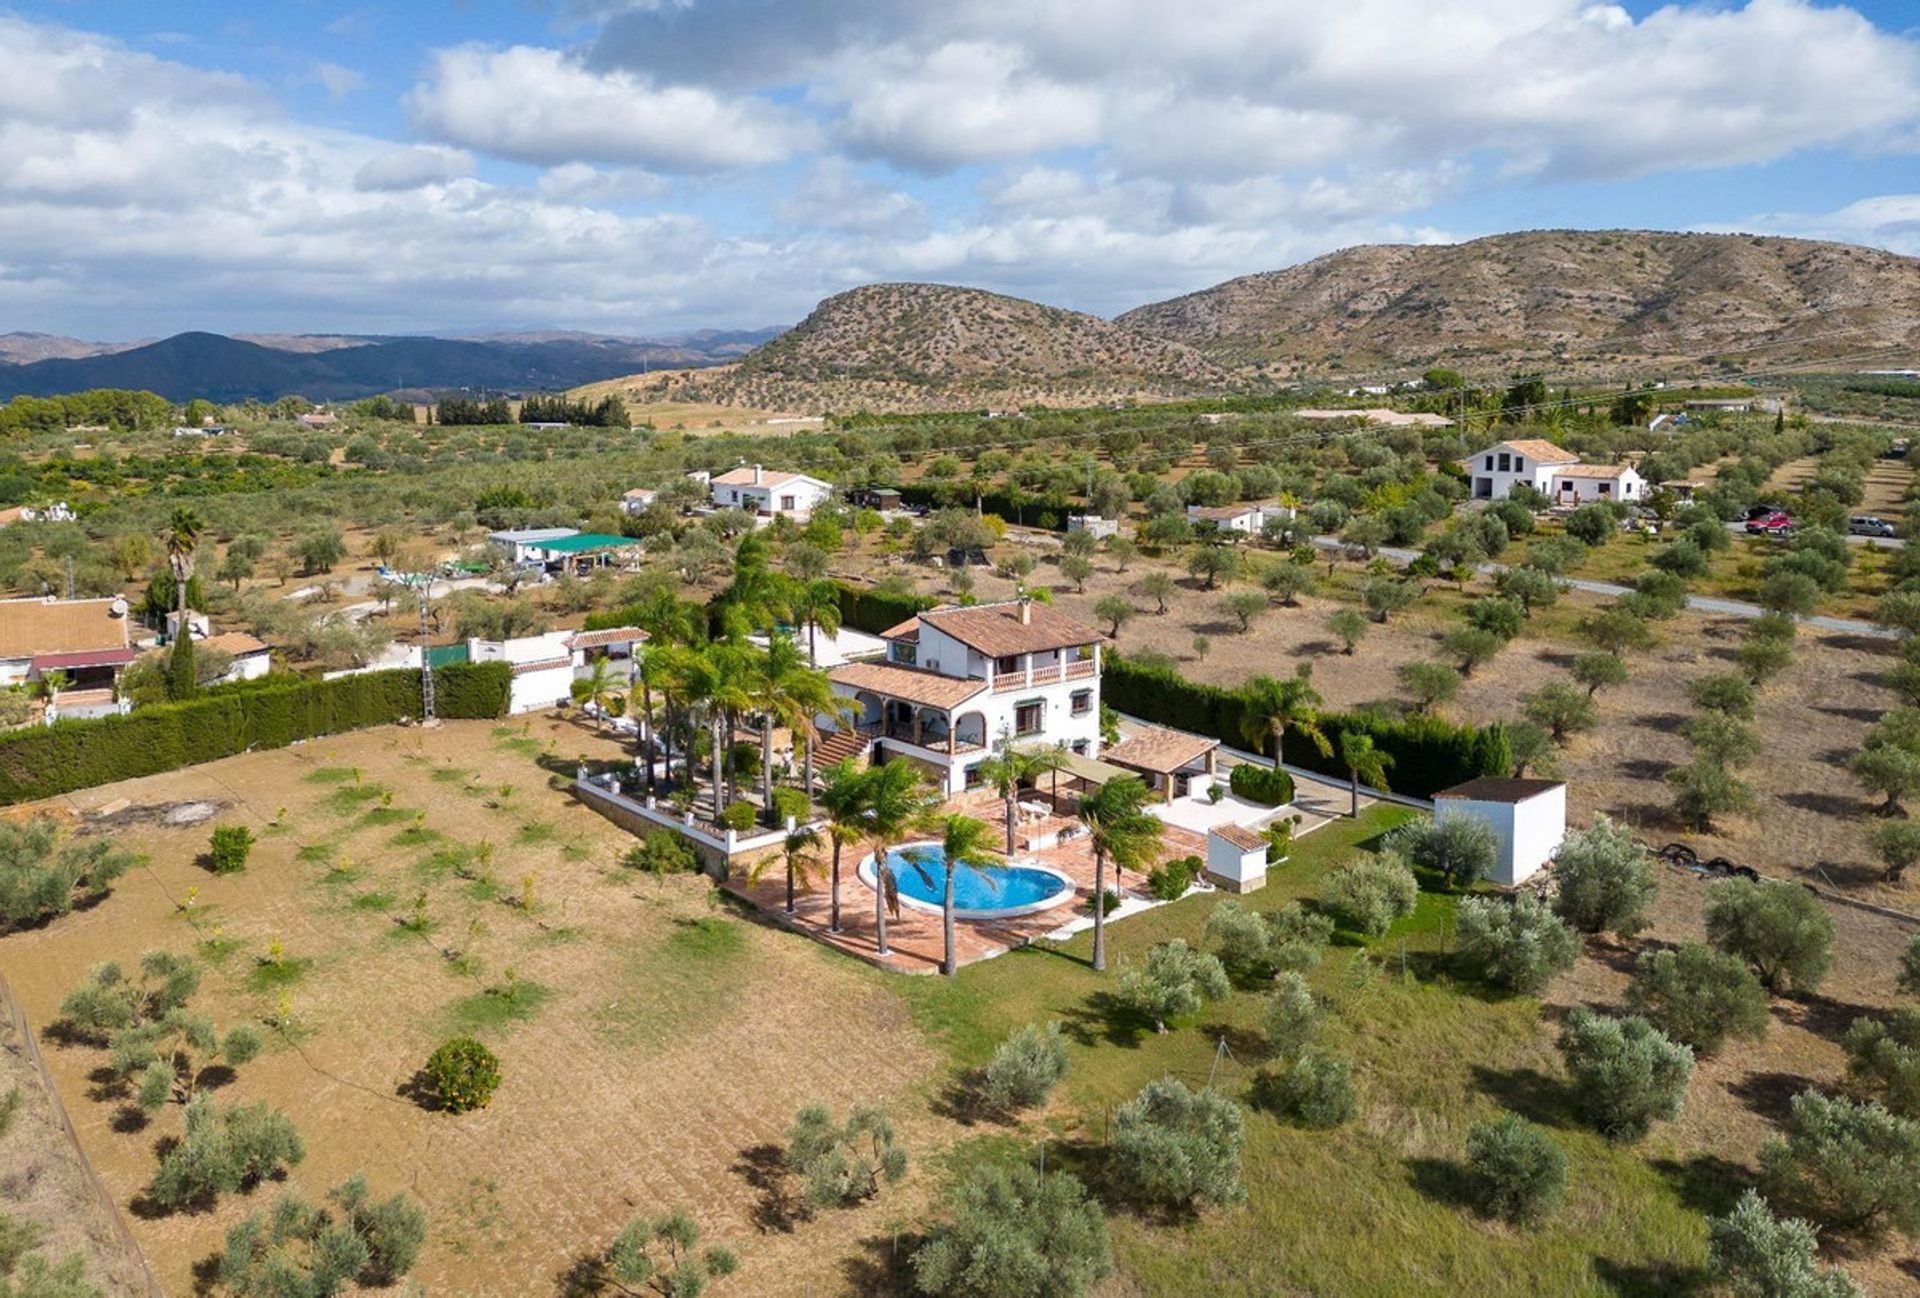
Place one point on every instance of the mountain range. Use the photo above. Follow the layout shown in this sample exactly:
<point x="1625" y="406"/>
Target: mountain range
<point x="333" y="367"/>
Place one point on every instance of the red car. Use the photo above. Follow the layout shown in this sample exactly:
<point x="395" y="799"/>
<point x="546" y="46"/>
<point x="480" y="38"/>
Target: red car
<point x="1772" y="524"/>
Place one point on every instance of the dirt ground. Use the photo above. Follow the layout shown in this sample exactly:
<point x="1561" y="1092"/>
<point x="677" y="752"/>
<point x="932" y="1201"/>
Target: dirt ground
<point x="676" y="1037"/>
<point x="1813" y="819"/>
<point x="42" y="1179"/>
<point x="1888" y="482"/>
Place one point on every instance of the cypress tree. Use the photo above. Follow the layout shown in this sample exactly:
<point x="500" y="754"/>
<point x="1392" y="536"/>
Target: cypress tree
<point x="181" y="680"/>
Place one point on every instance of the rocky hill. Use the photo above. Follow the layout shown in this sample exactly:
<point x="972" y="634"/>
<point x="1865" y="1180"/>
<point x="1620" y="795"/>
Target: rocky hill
<point x="1586" y="300"/>
<point x="930" y="346"/>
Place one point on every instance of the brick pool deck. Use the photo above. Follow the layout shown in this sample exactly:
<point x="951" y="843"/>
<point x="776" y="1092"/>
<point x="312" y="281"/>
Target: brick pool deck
<point x="914" y="938"/>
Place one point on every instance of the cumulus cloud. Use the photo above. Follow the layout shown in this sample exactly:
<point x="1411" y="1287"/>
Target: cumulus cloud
<point x="412" y="167"/>
<point x="1890" y="221"/>
<point x="540" y="106"/>
<point x="836" y="196"/>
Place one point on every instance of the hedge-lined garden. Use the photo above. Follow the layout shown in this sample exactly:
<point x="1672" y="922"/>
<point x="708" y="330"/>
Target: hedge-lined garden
<point x="269" y="713"/>
<point x="874" y="611"/>
<point x="1428" y="753"/>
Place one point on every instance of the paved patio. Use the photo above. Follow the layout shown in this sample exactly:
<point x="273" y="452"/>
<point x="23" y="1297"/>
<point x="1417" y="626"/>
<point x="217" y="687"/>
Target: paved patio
<point x="914" y="937"/>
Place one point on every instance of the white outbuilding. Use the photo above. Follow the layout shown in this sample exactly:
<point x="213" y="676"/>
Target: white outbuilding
<point x="1237" y="857"/>
<point x="1528" y="819"/>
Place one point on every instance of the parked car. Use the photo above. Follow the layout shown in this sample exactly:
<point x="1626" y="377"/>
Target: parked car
<point x="1762" y="510"/>
<point x="1868" y="525"/>
<point x="1778" y="523"/>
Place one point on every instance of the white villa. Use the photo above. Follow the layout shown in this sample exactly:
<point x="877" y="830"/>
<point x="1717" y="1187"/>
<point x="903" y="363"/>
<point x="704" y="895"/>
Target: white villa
<point x="1531" y="460"/>
<point x="1248" y="518"/>
<point x="1578" y="484"/>
<point x="769" y="493"/>
<point x="955" y="680"/>
<point x="544" y="666"/>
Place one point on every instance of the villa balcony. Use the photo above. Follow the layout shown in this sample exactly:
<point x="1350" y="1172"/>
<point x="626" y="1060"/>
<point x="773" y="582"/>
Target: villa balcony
<point x="1051" y="674"/>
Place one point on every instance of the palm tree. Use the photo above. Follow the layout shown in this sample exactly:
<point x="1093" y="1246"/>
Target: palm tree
<point x="843" y="796"/>
<point x="817" y="605"/>
<point x="1273" y="707"/>
<point x="1123" y="831"/>
<point x="773" y="671"/>
<point x="898" y="803"/>
<point x="1011" y="767"/>
<point x="671" y="668"/>
<point x="1363" y="762"/>
<point x="597" y="687"/>
<point x="797" y="851"/>
<point x="963" y="841"/>
<point x="182" y="538"/>
<point x="668" y="621"/>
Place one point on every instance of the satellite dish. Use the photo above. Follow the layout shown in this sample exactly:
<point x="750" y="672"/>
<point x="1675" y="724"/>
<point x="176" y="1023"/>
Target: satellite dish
<point x="119" y="606"/>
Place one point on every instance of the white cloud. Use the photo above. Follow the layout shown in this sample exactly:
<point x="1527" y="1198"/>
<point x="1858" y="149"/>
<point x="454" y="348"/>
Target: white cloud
<point x="412" y="167"/>
<point x="835" y="196"/>
<point x="1890" y="221"/>
<point x="580" y="182"/>
<point x="539" y="106"/>
<point x="338" y="81"/>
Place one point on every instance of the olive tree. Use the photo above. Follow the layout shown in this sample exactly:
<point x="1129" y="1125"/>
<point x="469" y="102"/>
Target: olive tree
<point x="1519" y="1173"/>
<point x="1292" y="1015"/>
<point x="1373" y="892"/>
<point x="1173" y="1146"/>
<point x="1606" y="880"/>
<point x="1462" y="850"/>
<point x="1316" y="1090"/>
<point x="1846" y="1166"/>
<point x="1625" y="1072"/>
<point x="1175" y="979"/>
<point x="303" y="1248"/>
<point x="1025" y="1067"/>
<point x="43" y="875"/>
<point x="1014" y="1233"/>
<point x="1758" y="1255"/>
<point x="1519" y="945"/>
<point x="1698" y="996"/>
<point x="843" y="1163"/>
<point x="1883" y="1060"/>
<point x="662" y="1255"/>
<point x="1780" y="929"/>
<point x="225" y="1148"/>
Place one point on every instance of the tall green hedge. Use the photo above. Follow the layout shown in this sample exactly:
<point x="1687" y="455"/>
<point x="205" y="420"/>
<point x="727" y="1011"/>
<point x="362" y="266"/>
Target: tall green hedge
<point x="269" y="713"/>
<point x="1429" y="754"/>
<point x="874" y="611"/>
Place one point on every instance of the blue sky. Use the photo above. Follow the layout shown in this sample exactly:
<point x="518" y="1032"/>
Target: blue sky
<point x="651" y="166"/>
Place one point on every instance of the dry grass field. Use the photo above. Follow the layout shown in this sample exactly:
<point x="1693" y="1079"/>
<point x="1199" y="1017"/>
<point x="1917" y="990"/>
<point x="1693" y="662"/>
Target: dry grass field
<point x="663" y="1034"/>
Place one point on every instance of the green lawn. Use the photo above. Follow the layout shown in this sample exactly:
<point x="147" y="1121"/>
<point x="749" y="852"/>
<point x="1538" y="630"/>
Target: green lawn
<point x="1372" y="1208"/>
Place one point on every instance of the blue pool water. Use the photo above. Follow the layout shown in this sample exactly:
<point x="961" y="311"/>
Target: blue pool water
<point x="920" y="872"/>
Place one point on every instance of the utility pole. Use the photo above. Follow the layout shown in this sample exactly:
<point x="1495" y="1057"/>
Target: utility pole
<point x="69" y="576"/>
<point x="427" y="714"/>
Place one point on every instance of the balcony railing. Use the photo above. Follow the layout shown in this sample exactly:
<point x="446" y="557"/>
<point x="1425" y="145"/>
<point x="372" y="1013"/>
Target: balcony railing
<point x="1050" y="674"/>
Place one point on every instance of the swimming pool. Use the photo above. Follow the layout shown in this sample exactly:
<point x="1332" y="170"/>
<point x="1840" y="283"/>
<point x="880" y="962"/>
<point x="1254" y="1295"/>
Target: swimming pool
<point x="996" y="892"/>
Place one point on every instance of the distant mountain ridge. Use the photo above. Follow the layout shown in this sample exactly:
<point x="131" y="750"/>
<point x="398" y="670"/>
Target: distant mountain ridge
<point x="334" y="367"/>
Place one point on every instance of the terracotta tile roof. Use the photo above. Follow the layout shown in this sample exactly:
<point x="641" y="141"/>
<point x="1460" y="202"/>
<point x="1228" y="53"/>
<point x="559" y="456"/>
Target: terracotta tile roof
<point x="1607" y="471"/>
<point x="1240" y="836"/>
<point x="1535" y="448"/>
<point x="908" y="630"/>
<point x="743" y="477"/>
<point x="612" y="635"/>
<point x="42" y="626"/>
<point x="997" y="631"/>
<point x="84" y="658"/>
<point x="930" y="689"/>
<point x="237" y="643"/>
<point x="639" y="493"/>
<point x="1221" y="513"/>
<point x="541" y="665"/>
<point x="1157" y="749"/>
<point x="1494" y="788"/>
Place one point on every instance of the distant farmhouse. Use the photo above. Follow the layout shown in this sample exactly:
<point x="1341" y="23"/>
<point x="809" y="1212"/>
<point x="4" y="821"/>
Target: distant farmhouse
<point x="769" y="493"/>
<point x="1553" y="471"/>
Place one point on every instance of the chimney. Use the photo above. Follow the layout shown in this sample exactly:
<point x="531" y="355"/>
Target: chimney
<point x="1026" y="611"/>
<point x="756" y="475"/>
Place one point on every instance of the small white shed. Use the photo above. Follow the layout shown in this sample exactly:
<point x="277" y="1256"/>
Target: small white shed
<point x="1528" y="819"/>
<point x="1237" y="857"/>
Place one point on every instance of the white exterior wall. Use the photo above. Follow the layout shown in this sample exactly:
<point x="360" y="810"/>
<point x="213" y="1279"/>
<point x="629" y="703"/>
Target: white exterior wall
<point x="532" y="691"/>
<point x="535" y="689"/>
<point x="1628" y="486"/>
<point x="249" y="667"/>
<point x="1521" y="468"/>
<point x="1528" y="832"/>
<point x="763" y="499"/>
<point x="1243" y="869"/>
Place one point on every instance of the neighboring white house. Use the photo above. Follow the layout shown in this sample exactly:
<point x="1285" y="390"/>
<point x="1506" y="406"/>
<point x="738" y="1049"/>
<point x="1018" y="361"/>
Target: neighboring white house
<point x="58" y="512"/>
<point x="252" y="658"/>
<point x="544" y="666"/>
<point x="82" y="642"/>
<point x="1577" y="484"/>
<point x="638" y="500"/>
<point x="956" y="680"/>
<point x="520" y="543"/>
<point x="1531" y="460"/>
<point x="1237" y="857"/>
<point x="1093" y="525"/>
<point x="1528" y="818"/>
<point x="1248" y="517"/>
<point x="769" y="493"/>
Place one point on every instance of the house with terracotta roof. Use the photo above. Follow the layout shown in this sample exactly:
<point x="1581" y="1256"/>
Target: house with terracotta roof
<point x="957" y="681"/>
<point x="637" y="500"/>
<point x="252" y="658"/>
<point x="769" y="493"/>
<point x="545" y="666"/>
<point x="1532" y="460"/>
<point x="1247" y="518"/>
<point x="81" y="642"/>
<point x="1580" y="484"/>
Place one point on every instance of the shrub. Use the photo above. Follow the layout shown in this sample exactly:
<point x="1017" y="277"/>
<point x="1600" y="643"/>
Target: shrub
<point x="1293" y="1015"/>
<point x="42" y="877"/>
<point x="462" y="1075"/>
<point x="1606" y="880"/>
<point x="1519" y="1172"/>
<point x="1173" y="1146"/>
<point x="1175" y="979"/>
<point x="224" y="1149"/>
<point x="1316" y="1090"/>
<point x="1698" y="996"/>
<point x="1025" y="1068"/>
<point x="664" y="1255"/>
<point x="661" y="851"/>
<point x="790" y="804"/>
<point x="1625" y="1072"/>
<point x="842" y="1164"/>
<point x="1846" y="1166"/>
<point x="1758" y="1255"/>
<point x="1780" y="929"/>
<point x="1497" y="615"/>
<point x="1016" y="1232"/>
<point x="1460" y="850"/>
<point x="1883" y="1060"/>
<point x="1170" y="880"/>
<point x="229" y="848"/>
<point x="1519" y="945"/>
<point x="300" y="1249"/>
<point x="1267" y="785"/>
<point x="1373" y="892"/>
<point x="107" y="1001"/>
<point x="739" y="816"/>
<point x="1559" y="709"/>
